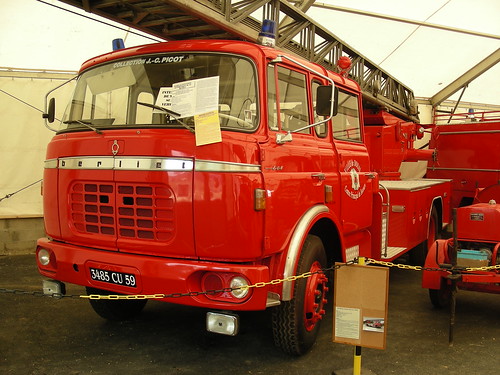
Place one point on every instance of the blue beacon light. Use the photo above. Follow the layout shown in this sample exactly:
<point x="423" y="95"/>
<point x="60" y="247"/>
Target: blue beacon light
<point x="267" y="35"/>
<point x="118" y="44"/>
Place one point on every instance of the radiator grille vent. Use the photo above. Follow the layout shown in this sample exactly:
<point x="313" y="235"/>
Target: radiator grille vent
<point x="125" y="211"/>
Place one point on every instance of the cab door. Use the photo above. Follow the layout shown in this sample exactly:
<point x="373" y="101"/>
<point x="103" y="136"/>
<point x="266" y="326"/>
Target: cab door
<point x="354" y="164"/>
<point x="292" y="171"/>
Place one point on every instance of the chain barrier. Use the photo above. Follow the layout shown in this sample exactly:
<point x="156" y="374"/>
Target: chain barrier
<point x="420" y="268"/>
<point x="261" y="284"/>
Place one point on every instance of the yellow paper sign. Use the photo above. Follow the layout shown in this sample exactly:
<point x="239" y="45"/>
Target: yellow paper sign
<point x="207" y="128"/>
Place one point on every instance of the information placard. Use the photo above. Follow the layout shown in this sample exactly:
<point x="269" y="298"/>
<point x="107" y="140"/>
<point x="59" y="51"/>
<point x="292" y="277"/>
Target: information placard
<point x="360" y="308"/>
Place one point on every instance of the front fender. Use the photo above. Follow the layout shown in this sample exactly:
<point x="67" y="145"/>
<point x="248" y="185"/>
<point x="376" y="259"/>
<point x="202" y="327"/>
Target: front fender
<point x="293" y="253"/>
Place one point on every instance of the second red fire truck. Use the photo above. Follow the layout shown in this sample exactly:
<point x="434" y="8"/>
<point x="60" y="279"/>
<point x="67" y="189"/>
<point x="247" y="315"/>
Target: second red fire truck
<point x="197" y="166"/>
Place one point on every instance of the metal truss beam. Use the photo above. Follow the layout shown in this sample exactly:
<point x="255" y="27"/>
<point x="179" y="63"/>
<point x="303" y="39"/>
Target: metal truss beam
<point x="466" y="78"/>
<point x="230" y="19"/>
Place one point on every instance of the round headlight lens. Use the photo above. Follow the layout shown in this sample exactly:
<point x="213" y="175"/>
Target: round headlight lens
<point x="238" y="282"/>
<point x="44" y="257"/>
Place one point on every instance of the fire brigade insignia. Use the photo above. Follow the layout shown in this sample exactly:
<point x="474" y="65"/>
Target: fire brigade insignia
<point x="355" y="190"/>
<point x="355" y="180"/>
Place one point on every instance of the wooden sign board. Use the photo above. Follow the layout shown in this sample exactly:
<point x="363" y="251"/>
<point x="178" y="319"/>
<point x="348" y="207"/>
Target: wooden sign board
<point x="360" y="309"/>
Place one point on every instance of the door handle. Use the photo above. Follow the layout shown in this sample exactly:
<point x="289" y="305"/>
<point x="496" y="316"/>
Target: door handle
<point x="319" y="176"/>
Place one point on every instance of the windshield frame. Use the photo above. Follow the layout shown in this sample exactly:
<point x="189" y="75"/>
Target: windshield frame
<point x="82" y="124"/>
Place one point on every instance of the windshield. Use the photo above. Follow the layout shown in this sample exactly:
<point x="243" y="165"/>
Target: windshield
<point x="165" y="90"/>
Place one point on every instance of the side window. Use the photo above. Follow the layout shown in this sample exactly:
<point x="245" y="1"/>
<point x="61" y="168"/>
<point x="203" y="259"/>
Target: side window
<point x="346" y="124"/>
<point x="321" y="129"/>
<point x="287" y="106"/>
<point x="272" y="99"/>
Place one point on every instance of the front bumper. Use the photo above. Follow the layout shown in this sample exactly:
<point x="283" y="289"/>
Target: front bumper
<point x="153" y="275"/>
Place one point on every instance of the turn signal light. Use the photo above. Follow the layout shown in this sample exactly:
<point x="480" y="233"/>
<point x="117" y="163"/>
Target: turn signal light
<point x="328" y="194"/>
<point x="260" y="199"/>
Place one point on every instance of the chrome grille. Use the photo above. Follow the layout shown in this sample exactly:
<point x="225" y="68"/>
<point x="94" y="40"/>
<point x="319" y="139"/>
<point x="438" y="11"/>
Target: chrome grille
<point x="92" y="208"/>
<point x="134" y="211"/>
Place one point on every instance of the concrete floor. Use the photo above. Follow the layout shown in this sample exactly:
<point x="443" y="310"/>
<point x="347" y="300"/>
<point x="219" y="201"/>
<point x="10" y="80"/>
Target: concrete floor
<point x="47" y="336"/>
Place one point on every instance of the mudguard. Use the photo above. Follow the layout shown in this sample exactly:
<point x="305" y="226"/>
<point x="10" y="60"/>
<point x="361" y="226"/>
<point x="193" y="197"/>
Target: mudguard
<point x="437" y="255"/>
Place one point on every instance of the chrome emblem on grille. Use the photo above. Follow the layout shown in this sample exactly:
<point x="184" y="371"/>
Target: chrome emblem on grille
<point x="115" y="147"/>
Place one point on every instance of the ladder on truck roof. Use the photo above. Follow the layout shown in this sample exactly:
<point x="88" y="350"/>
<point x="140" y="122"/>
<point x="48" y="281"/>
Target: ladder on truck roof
<point x="228" y="19"/>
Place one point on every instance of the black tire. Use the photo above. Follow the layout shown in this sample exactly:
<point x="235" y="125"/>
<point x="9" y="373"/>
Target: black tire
<point x="296" y="322"/>
<point x="441" y="297"/>
<point x="419" y="253"/>
<point x="115" y="310"/>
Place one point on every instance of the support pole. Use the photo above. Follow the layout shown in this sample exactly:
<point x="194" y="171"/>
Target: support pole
<point x="453" y="277"/>
<point x="356" y="368"/>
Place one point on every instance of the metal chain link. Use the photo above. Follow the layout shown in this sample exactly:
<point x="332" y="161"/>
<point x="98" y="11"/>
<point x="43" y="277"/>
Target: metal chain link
<point x="420" y="268"/>
<point x="486" y="268"/>
<point x="38" y="293"/>
<point x="261" y="284"/>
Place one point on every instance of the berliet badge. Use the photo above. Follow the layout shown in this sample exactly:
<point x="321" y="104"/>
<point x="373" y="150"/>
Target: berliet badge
<point x="115" y="147"/>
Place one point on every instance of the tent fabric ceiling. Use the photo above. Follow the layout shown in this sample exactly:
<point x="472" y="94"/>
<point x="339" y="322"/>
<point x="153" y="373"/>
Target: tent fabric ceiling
<point x="423" y="58"/>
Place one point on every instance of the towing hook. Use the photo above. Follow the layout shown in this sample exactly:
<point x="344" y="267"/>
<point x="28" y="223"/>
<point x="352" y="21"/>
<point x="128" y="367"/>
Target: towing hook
<point x="454" y="276"/>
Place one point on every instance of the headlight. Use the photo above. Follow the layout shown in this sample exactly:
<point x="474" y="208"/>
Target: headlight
<point x="44" y="257"/>
<point x="238" y="282"/>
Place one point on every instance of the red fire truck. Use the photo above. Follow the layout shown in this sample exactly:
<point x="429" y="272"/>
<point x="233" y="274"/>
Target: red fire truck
<point x="468" y="154"/>
<point x="144" y="195"/>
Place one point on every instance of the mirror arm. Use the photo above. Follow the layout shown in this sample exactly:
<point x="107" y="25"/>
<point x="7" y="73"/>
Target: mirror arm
<point x="45" y="115"/>
<point x="283" y="138"/>
<point x="287" y="137"/>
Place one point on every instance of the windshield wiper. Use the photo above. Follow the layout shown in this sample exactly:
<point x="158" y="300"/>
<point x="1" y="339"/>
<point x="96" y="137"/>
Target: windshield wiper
<point x="84" y="123"/>
<point x="175" y="115"/>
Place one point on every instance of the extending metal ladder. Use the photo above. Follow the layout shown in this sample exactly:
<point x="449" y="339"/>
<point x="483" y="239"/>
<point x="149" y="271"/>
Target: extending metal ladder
<point x="227" y="19"/>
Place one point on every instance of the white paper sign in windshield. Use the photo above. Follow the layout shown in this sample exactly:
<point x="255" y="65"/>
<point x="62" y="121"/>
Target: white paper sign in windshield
<point x="190" y="98"/>
<point x="164" y="99"/>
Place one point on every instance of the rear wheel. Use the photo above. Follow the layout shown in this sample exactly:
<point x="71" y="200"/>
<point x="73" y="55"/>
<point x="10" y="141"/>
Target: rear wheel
<point x="117" y="310"/>
<point x="296" y="322"/>
<point x="419" y="253"/>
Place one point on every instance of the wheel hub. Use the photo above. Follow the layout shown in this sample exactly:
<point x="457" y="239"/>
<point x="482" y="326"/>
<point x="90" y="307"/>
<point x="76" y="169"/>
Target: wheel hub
<point x="315" y="298"/>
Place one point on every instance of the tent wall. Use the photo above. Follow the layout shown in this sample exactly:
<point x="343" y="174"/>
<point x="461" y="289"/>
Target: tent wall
<point x="23" y="142"/>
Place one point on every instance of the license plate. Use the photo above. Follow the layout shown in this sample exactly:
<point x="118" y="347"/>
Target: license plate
<point x="113" y="277"/>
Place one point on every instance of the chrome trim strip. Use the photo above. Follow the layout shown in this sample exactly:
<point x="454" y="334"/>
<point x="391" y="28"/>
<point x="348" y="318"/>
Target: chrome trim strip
<point x="293" y="253"/>
<point x="124" y="163"/>
<point x="134" y="163"/>
<point x="223" y="166"/>
<point x="88" y="162"/>
<point x="51" y="164"/>
<point x="153" y="164"/>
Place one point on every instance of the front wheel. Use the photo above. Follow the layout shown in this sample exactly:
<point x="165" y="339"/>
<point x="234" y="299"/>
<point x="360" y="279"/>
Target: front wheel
<point x="296" y="322"/>
<point x="115" y="309"/>
<point x="441" y="298"/>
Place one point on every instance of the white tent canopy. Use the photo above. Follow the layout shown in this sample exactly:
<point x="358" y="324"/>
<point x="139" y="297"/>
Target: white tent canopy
<point x="41" y="35"/>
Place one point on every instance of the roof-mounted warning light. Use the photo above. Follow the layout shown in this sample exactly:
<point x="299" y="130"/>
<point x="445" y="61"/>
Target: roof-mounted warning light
<point x="344" y="64"/>
<point x="118" y="44"/>
<point x="267" y="35"/>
